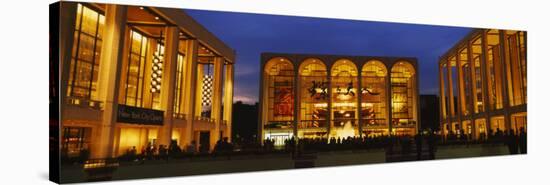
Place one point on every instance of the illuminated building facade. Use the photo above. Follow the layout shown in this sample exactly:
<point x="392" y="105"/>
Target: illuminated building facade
<point x="486" y="76"/>
<point x="324" y="96"/>
<point x="133" y="76"/>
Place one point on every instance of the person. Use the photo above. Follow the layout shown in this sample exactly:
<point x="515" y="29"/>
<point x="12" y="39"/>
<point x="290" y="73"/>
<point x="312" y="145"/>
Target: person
<point x="522" y="141"/>
<point x="511" y="142"/>
<point x="132" y="153"/>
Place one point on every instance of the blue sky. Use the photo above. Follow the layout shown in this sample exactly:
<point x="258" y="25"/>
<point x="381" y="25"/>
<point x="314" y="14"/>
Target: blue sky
<point x="252" y="34"/>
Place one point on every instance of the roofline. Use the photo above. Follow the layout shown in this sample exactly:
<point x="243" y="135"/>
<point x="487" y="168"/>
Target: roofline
<point x="197" y="31"/>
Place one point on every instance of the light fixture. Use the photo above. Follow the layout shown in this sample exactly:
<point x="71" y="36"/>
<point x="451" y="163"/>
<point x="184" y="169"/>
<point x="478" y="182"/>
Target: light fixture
<point x="141" y="7"/>
<point x="156" y="18"/>
<point x="156" y="73"/>
<point x="207" y="87"/>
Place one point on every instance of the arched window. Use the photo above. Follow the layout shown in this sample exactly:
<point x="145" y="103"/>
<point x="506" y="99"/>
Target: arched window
<point x="344" y="97"/>
<point x="314" y="98"/>
<point x="403" y="101"/>
<point x="373" y="98"/>
<point x="279" y="93"/>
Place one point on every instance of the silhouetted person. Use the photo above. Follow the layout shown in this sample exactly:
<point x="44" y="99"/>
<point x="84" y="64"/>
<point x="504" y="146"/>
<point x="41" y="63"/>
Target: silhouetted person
<point x="84" y="155"/>
<point x="512" y="142"/>
<point x="522" y="141"/>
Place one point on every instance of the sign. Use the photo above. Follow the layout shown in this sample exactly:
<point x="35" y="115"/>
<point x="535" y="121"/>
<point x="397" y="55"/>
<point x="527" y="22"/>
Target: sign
<point x="136" y="115"/>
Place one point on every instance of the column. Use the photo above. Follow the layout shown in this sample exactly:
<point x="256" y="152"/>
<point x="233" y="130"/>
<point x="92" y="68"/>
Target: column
<point x="485" y="92"/>
<point x="295" y="87"/>
<point x="228" y="99"/>
<point x="389" y="96"/>
<point x="359" y="100"/>
<point x="329" y="102"/>
<point x="473" y="89"/>
<point x="67" y="18"/>
<point x="442" y="104"/>
<point x="168" y="83"/>
<point x="462" y="104"/>
<point x="450" y="92"/>
<point x="504" y="67"/>
<point x="109" y="77"/>
<point x="217" y="101"/>
<point x="190" y="78"/>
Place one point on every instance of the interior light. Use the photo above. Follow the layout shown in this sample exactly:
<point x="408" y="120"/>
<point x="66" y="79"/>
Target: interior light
<point x="156" y="18"/>
<point x="141" y="7"/>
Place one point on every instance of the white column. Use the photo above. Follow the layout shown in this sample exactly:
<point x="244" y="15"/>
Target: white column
<point x="190" y="78"/>
<point x="109" y="77"/>
<point x="228" y="99"/>
<point x="168" y="83"/>
<point x="216" y="101"/>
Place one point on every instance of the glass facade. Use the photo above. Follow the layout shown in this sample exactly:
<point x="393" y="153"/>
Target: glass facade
<point x="403" y="101"/>
<point x="373" y="95"/>
<point x="86" y="53"/>
<point x="313" y="98"/>
<point x="492" y="84"/>
<point x="338" y="97"/>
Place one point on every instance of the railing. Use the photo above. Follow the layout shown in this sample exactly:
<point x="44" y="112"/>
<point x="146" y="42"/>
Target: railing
<point x="376" y="122"/>
<point x="83" y="102"/>
<point x="338" y="122"/>
<point x="206" y="119"/>
<point x="179" y="116"/>
<point x="312" y="124"/>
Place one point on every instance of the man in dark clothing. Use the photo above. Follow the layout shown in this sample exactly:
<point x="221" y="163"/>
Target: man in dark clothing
<point x="418" y="141"/>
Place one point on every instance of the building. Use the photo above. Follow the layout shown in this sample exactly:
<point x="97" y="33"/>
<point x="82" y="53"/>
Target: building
<point x="486" y="74"/>
<point x="133" y="76"/>
<point x="429" y="112"/>
<point x="323" y="96"/>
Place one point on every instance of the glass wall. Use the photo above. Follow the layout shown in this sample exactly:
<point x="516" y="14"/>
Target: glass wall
<point x="403" y="87"/>
<point x="494" y="67"/>
<point x="313" y="97"/>
<point x="134" y="84"/>
<point x="86" y="53"/>
<point x="344" y="98"/>
<point x="466" y="91"/>
<point x="279" y="92"/>
<point x="180" y="82"/>
<point x="373" y="98"/>
<point x="519" y="122"/>
<point x="205" y="87"/>
<point x="517" y="70"/>
<point x="454" y="86"/>
<point x="478" y="77"/>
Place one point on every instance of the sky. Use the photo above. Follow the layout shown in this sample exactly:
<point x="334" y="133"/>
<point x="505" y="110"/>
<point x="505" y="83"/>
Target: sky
<point x="252" y="34"/>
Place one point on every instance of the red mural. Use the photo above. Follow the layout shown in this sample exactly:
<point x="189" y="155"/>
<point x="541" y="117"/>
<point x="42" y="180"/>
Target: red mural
<point x="284" y="102"/>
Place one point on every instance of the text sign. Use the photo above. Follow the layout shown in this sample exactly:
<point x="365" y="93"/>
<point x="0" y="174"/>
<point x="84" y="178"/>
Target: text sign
<point x="136" y="115"/>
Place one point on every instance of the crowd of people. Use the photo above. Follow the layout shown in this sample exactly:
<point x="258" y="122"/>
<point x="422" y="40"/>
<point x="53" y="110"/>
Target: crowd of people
<point x="515" y="141"/>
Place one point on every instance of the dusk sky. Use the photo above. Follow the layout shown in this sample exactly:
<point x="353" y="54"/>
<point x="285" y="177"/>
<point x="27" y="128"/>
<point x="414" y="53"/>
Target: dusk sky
<point x="252" y="34"/>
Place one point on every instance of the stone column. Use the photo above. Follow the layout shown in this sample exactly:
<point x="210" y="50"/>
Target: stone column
<point x="168" y="83"/>
<point x="506" y="79"/>
<point x="359" y="100"/>
<point x="67" y="18"/>
<point x="485" y="92"/>
<point x="217" y="94"/>
<point x="109" y="77"/>
<point x="189" y="78"/>
<point x="442" y="104"/>
<point x="228" y="99"/>
<point x="389" y="95"/>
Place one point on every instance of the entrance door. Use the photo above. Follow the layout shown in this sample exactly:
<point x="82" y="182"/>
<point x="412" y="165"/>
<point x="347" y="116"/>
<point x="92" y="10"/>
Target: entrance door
<point x="204" y="141"/>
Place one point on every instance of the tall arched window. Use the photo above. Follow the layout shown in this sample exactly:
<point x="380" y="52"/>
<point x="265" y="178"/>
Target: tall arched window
<point x="403" y="89"/>
<point x="344" y="96"/>
<point x="313" y="98"/>
<point x="279" y="93"/>
<point x="373" y="98"/>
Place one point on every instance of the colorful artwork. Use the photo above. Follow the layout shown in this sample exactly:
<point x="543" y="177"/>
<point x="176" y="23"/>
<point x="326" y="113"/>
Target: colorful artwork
<point x="284" y="102"/>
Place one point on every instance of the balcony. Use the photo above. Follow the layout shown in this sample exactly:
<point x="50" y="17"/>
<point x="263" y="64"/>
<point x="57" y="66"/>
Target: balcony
<point x="76" y="108"/>
<point x="179" y="116"/>
<point x="84" y="103"/>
